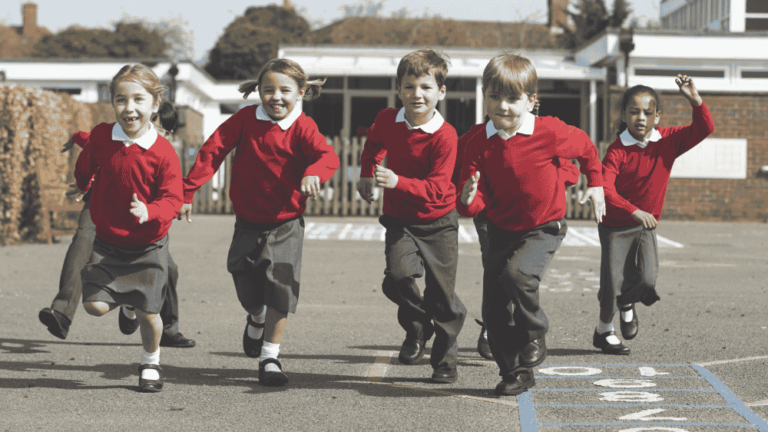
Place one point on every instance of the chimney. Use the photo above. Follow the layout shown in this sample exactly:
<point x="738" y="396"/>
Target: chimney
<point x="29" y="15"/>
<point x="288" y="5"/>
<point x="557" y="14"/>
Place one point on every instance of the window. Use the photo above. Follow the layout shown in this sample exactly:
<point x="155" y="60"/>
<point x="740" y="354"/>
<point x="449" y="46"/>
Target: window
<point x="333" y="83"/>
<point x="756" y="24"/>
<point x="328" y="112"/>
<point x="370" y="83"/>
<point x="757" y="6"/>
<point x="69" y="91"/>
<point x="758" y="74"/>
<point x="675" y="72"/>
<point x="460" y="84"/>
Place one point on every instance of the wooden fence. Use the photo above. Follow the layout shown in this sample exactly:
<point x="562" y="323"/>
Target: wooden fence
<point x="339" y="195"/>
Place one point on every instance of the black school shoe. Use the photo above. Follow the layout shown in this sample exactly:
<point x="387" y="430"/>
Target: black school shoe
<point x="272" y="379"/>
<point x="629" y="329"/>
<point x="176" y="341"/>
<point x="483" y="347"/>
<point x="533" y="353"/>
<point x="411" y="351"/>
<point x="150" y="386"/>
<point x="252" y="347"/>
<point x="57" y="323"/>
<point x="127" y="325"/>
<point x="599" y="341"/>
<point x="515" y="383"/>
<point x="445" y="376"/>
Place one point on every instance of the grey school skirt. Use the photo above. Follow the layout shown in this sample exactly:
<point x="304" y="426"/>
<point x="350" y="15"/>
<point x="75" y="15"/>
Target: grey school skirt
<point x="127" y="276"/>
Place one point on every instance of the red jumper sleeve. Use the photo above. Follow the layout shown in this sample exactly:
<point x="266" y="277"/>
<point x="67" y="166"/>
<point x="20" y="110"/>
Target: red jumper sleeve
<point x="373" y="151"/>
<point x="460" y="146"/>
<point x="443" y="159"/>
<point x="322" y="158"/>
<point x="81" y="138"/>
<point x="567" y="172"/>
<point x="212" y="154"/>
<point x="612" y="165"/>
<point x="687" y="137"/>
<point x="84" y="169"/>
<point x="573" y="143"/>
<point x="165" y="207"/>
<point x="473" y="163"/>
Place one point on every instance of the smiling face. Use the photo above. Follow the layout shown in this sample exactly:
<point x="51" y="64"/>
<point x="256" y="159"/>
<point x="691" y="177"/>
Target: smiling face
<point x="508" y="112"/>
<point x="134" y="107"/>
<point x="279" y="94"/>
<point x="641" y="116"/>
<point x="420" y="96"/>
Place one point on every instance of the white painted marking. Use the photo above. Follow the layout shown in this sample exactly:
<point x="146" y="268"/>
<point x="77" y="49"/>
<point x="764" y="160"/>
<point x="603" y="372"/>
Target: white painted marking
<point x="649" y="371"/>
<point x="345" y="231"/>
<point x="624" y="383"/>
<point x="308" y="228"/>
<point x="758" y="403"/>
<point x="630" y="396"/>
<point x="669" y="242"/>
<point x="732" y="361"/>
<point x="464" y="235"/>
<point x="588" y="240"/>
<point x="646" y="415"/>
<point x="642" y="429"/>
<point x="378" y="369"/>
<point x="577" y="371"/>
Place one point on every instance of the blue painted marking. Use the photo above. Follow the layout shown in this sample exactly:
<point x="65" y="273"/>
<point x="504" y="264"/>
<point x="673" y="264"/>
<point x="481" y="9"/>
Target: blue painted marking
<point x="624" y="389"/>
<point x="527" y="412"/>
<point x="632" y="406"/>
<point x="647" y="424"/>
<point x="738" y="406"/>
<point x="612" y="364"/>
<point x="618" y="377"/>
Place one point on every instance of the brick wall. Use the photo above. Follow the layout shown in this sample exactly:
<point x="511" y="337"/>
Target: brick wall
<point x="736" y="115"/>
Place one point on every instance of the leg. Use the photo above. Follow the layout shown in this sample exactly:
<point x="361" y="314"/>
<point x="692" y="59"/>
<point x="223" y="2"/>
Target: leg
<point x="275" y="325"/>
<point x="151" y="327"/>
<point x="98" y="308"/>
<point x="481" y="226"/>
<point x="617" y="244"/>
<point x="169" y="313"/>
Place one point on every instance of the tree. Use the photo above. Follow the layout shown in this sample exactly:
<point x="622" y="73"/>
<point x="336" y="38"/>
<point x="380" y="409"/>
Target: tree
<point x="590" y="19"/>
<point x="174" y="30"/>
<point x="128" y="40"/>
<point x="251" y="40"/>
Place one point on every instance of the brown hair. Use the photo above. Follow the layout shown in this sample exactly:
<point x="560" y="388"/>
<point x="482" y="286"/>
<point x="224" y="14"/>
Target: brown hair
<point x="510" y="74"/>
<point x="288" y="68"/>
<point x="423" y="62"/>
<point x="141" y="75"/>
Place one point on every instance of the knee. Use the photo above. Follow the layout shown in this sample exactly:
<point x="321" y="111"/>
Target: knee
<point x="96" y="308"/>
<point x="515" y="278"/>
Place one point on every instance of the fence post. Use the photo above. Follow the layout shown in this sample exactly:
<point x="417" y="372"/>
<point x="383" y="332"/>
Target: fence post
<point x="354" y="177"/>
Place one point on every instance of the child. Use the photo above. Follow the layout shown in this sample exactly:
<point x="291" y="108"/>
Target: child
<point x="58" y="317"/>
<point x="419" y="212"/>
<point x="567" y="172"/>
<point x="281" y="159"/>
<point x="135" y="195"/>
<point x="508" y="171"/>
<point x="636" y="171"/>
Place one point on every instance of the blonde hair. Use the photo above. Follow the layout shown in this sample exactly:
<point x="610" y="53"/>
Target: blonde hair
<point x="423" y="62"/>
<point x="288" y="68"/>
<point x="510" y="74"/>
<point x="141" y="75"/>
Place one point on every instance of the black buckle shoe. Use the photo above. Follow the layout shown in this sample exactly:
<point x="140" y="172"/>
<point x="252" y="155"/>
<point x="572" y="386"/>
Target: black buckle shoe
<point x="600" y="341"/>
<point x="252" y="347"/>
<point x="629" y="329"/>
<point x="533" y="353"/>
<point x="272" y="379"/>
<point x="411" y="351"/>
<point x="445" y="376"/>
<point x="515" y="383"/>
<point x="127" y="325"/>
<point x="150" y="386"/>
<point x="176" y="341"/>
<point x="483" y="347"/>
<point x="57" y="322"/>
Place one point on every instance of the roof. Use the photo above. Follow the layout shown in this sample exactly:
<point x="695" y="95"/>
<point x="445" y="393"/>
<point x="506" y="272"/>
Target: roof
<point x="435" y="32"/>
<point x="14" y="45"/>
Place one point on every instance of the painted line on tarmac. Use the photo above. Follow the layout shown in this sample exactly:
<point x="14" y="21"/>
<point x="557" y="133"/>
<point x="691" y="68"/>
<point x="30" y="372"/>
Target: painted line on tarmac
<point x="755" y="421"/>
<point x="758" y="403"/>
<point x="379" y="367"/>
<point x="732" y="361"/>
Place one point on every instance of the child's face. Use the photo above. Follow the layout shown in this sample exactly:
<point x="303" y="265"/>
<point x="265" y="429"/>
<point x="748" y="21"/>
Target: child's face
<point x="420" y="96"/>
<point x="279" y="94"/>
<point x="134" y="107"/>
<point x="506" y="111"/>
<point x="641" y="116"/>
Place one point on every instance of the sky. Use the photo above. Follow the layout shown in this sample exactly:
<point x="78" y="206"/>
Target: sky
<point x="206" y="23"/>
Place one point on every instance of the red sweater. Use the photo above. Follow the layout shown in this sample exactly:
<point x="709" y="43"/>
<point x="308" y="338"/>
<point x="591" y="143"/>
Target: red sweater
<point x="268" y="165"/>
<point x="154" y="175"/>
<point x="423" y="163"/>
<point x="637" y="178"/>
<point x="519" y="183"/>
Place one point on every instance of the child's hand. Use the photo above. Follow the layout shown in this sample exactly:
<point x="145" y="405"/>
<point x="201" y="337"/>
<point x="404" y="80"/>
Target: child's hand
<point x="74" y="191"/>
<point x="649" y="222"/>
<point x="310" y="186"/>
<point x="67" y="145"/>
<point x="469" y="190"/>
<point x="385" y="178"/>
<point x="139" y="209"/>
<point x="186" y="210"/>
<point x="688" y="89"/>
<point x="365" y="188"/>
<point x="597" y="196"/>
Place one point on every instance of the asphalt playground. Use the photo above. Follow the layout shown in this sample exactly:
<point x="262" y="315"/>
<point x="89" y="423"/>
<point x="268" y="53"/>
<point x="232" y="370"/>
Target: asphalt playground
<point x="699" y="363"/>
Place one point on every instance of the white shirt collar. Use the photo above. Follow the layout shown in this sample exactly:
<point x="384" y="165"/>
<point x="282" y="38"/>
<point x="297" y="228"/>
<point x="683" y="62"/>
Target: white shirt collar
<point x="429" y="127"/>
<point x="529" y="124"/>
<point x="145" y="141"/>
<point x="628" y="140"/>
<point x="284" y="123"/>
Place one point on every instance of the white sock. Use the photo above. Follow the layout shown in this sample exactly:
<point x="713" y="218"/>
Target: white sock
<point x="130" y="314"/>
<point x="270" y="350"/>
<point x="627" y="316"/>
<point x="604" y="327"/>
<point x="257" y="332"/>
<point x="485" y="335"/>
<point x="150" y="358"/>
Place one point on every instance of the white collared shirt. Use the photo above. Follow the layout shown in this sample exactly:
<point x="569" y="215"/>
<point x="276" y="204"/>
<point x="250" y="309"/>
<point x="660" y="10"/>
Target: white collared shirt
<point x="145" y="141"/>
<point x="284" y="123"/>
<point x="429" y="127"/>
<point x="529" y="124"/>
<point x="628" y="140"/>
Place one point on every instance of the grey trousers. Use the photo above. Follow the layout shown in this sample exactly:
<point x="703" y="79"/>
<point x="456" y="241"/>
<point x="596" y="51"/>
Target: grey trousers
<point x="515" y="264"/>
<point x="629" y="266"/>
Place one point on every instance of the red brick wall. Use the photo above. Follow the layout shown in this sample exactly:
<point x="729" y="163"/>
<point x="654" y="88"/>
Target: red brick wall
<point x="736" y="115"/>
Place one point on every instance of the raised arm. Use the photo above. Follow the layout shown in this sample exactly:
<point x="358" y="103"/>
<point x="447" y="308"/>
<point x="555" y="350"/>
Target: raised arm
<point x="688" y="137"/>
